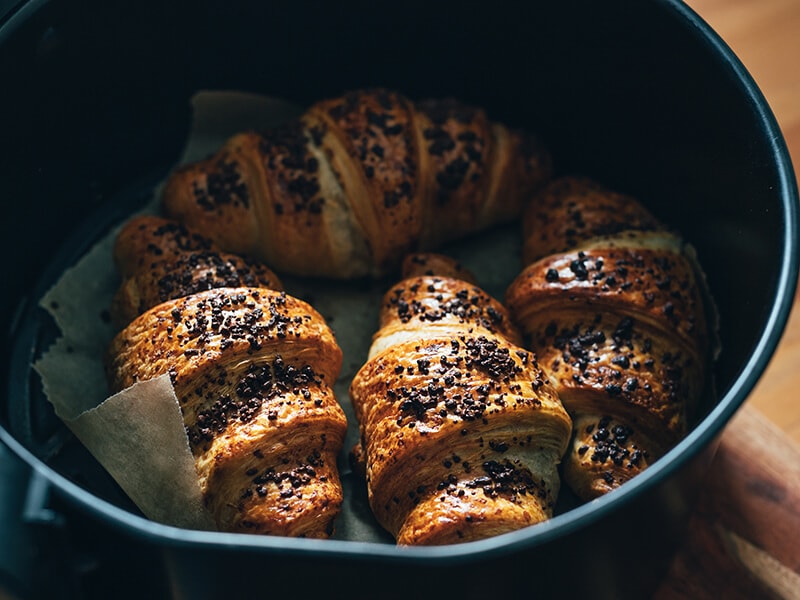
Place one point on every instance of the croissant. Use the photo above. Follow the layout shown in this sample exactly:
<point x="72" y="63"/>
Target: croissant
<point x="252" y="369"/>
<point x="613" y="306"/>
<point x="460" y="432"/>
<point x="357" y="182"/>
<point x="160" y="259"/>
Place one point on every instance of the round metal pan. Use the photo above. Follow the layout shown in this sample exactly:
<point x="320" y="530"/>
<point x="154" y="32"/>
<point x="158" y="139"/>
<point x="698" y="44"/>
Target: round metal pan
<point x="642" y="96"/>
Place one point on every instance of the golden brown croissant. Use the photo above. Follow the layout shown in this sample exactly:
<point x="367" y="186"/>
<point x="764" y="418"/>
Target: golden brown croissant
<point x="252" y="369"/>
<point x="160" y="259"/>
<point x="613" y="306"/>
<point x="357" y="182"/>
<point x="460" y="432"/>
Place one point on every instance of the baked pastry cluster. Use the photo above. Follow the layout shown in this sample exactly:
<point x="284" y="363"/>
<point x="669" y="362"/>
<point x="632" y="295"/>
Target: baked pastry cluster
<point x="465" y="406"/>
<point x="252" y="368"/>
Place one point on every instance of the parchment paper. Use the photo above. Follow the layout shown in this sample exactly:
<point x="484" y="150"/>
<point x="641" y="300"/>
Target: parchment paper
<point x="138" y="435"/>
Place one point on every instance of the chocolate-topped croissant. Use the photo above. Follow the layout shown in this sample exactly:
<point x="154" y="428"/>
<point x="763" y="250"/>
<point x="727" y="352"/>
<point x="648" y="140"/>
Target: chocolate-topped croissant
<point x="160" y="259"/>
<point x="461" y="434"/>
<point x="358" y="181"/>
<point x="613" y="303"/>
<point x="253" y="370"/>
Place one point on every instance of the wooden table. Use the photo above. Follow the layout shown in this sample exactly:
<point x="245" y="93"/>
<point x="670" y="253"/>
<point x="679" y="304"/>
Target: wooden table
<point x="744" y="539"/>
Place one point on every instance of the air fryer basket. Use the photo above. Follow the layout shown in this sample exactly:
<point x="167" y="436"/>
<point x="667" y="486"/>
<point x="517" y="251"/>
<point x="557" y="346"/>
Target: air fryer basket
<point x="641" y="96"/>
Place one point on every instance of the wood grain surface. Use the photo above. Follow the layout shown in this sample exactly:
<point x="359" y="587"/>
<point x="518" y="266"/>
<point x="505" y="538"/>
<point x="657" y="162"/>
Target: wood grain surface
<point x="744" y="537"/>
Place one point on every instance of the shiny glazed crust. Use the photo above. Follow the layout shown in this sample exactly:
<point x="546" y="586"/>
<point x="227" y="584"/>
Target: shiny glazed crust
<point x="161" y="260"/>
<point x="357" y="182"/>
<point x="460" y="432"/>
<point x="611" y="302"/>
<point x="252" y="369"/>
